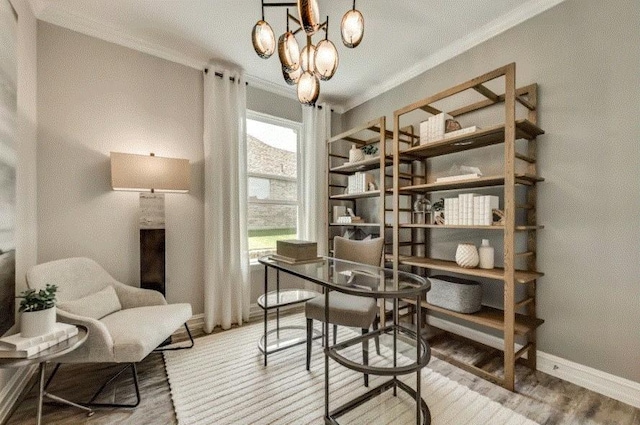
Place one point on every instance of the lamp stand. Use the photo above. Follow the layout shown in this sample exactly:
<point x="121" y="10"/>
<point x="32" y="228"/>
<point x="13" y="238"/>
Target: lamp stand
<point x="152" y="242"/>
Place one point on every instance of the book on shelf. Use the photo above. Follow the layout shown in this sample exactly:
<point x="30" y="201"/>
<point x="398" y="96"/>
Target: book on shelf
<point x="466" y="130"/>
<point x="290" y="260"/>
<point x="470" y="209"/>
<point x="359" y="182"/>
<point x="16" y="346"/>
<point x="458" y="178"/>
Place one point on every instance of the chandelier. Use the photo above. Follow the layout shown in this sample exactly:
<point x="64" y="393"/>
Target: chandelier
<point x="307" y="66"/>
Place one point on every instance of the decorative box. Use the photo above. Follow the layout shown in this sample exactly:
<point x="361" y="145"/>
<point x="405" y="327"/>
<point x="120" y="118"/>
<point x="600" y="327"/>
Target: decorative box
<point x="456" y="294"/>
<point x="296" y="249"/>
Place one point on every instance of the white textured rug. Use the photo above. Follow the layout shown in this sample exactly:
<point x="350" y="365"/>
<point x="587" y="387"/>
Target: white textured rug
<point x="222" y="380"/>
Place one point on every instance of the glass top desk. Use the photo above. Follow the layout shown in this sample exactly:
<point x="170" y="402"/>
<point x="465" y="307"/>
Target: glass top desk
<point x="360" y="280"/>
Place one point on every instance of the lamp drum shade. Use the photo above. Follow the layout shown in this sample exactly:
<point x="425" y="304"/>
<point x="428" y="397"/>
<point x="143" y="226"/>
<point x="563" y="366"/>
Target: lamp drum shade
<point x="145" y="173"/>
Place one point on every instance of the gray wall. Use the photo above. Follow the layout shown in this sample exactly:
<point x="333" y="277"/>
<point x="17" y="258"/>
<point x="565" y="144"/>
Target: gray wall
<point x="584" y="54"/>
<point x="96" y="97"/>
<point x="265" y="102"/>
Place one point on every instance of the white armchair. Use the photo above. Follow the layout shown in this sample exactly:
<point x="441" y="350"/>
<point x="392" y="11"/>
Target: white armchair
<point x="125" y="323"/>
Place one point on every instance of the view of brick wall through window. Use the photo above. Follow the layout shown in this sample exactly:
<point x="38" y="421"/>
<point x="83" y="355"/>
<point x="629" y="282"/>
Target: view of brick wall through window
<point x="272" y="191"/>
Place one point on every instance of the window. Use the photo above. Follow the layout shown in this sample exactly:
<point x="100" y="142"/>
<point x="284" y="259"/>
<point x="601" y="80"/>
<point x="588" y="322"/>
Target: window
<point x="272" y="162"/>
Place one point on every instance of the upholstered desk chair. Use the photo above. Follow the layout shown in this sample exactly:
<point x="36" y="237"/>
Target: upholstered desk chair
<point x="125" y="323"/>
<point x="344" y="309"/>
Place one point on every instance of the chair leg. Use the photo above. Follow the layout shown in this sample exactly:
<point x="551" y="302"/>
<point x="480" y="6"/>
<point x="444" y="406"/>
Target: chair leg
<point x="377" y="340"/>
<point x="182" y="347"/>
<point x="335" y="334"/>
<point x="134" y="372"/>
<point x="365" y="355"/>
<point x="309" y="340"/>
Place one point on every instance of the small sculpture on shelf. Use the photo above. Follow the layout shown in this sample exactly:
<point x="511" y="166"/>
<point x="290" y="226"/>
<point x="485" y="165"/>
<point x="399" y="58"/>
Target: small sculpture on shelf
<point x="438" y="212"/>
<point x="422" y="211"/>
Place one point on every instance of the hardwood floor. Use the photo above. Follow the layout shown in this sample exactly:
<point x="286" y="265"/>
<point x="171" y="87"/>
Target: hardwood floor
<point x="540" y="397"/>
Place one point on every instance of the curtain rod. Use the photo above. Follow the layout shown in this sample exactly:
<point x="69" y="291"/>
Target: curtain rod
<point x="217" y="74"/>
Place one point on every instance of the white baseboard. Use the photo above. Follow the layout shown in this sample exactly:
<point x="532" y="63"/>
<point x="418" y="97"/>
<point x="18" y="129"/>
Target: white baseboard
<point x="12" y="390"/>
<point x="609" y="385"/>
<point x="613" y="386"/>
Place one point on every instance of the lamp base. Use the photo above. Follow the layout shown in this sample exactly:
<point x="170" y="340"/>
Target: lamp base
<point x="152" y="252"/>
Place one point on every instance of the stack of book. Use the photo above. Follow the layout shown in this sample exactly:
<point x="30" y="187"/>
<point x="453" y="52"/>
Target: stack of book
<point x="359" y="182"/>
<point x="432" y="129"/>
<point x="295" y="251"/>
<point x="460" y="132"/>
<point x="470" y="209"/>
<point x="16" y="346"/>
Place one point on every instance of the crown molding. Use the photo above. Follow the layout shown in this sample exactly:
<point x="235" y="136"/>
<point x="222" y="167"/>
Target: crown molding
<point x="285" y="91"/>
<point x="113" y="34"/>
<point x="98" y="29"/>
<point x="499" y="25"/>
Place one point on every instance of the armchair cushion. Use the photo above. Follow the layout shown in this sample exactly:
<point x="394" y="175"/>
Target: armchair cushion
<point x="96" y="305"/>
<point x="137" y="331"/>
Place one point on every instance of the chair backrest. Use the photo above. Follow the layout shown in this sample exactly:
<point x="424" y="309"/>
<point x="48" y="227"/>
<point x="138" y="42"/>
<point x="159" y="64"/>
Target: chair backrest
<point x="366" y="252"/>
<point x="75" y="277"/>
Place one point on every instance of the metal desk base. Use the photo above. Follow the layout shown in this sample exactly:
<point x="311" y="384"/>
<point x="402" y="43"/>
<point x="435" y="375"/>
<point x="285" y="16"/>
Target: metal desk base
<point x="392" y="383"/>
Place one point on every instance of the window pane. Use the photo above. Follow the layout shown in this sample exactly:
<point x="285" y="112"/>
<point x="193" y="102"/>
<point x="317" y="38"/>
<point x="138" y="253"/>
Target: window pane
<point x="272" y="189"/>
<point x="272" y="168"/>
<point x="269" y="223"/>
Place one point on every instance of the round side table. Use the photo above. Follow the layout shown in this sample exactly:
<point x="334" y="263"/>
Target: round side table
<point x="42" y="358"/>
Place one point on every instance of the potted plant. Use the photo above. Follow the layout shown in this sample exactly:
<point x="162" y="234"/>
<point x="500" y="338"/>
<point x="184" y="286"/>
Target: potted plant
<point x="369" y="151"/>
<point x="38" y="312"/>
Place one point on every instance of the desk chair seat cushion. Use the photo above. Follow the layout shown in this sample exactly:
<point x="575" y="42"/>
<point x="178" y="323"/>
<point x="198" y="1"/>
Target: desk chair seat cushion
<point x="345" y="310"/>
<point x="138" y="331"/>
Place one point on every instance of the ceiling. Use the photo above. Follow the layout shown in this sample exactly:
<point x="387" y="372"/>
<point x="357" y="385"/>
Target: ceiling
<point x="403" y="38"/>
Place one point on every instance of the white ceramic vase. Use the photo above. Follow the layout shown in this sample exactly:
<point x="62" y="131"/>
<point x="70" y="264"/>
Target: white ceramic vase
<point x="355" y="154"/>
<point x="486" y="255"/>
<point x="467" y="255"/>
<point x="35" y="323"/>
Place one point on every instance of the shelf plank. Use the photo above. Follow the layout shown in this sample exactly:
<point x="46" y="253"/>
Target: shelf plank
<point x="489" y="317"/>
<point x="443" y="226"/>
<point x="355" y="224"/>
<point x="521" y="276"/>
<point x="483" y="137"/>
<point x="369" y="194"/>
<point x="479" y="182"/>
<point x="367" y="164"/>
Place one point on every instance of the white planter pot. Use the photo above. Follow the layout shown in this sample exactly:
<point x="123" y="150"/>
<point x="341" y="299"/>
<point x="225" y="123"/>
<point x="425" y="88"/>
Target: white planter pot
<point x="35" y="323"/>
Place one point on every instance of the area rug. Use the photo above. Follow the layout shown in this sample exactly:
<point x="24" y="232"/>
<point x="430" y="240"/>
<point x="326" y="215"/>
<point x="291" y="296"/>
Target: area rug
<point x="222" y="380"/>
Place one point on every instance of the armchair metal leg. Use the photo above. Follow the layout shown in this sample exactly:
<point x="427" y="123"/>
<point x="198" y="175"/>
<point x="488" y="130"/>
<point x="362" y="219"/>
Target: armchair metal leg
<point x="309" y="341"/>
<point x="182" y="347"/>
<point x="134" y="372"/>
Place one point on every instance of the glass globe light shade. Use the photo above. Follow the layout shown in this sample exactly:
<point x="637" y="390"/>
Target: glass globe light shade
<point x="308" y="57"/>
<point x="292" y="77"/>
<point x="326" y="60"/>
<point x="309" y="14"/>
<point x="289" y="51"/>
<point x="308" y="88"/>
<point x="352" y="28"/>
<point x="264" y="41"/>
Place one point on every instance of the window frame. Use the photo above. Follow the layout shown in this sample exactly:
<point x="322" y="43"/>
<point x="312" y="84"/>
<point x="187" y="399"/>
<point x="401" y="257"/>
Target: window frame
<point x="297" y="128"/>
